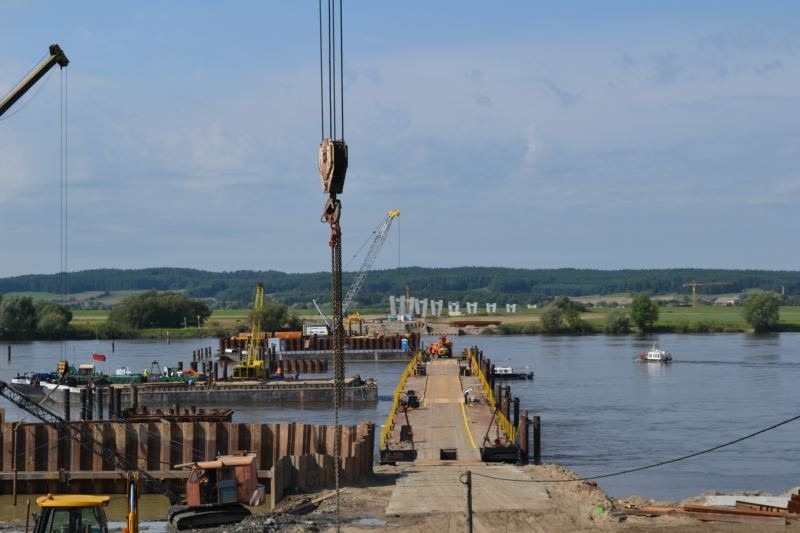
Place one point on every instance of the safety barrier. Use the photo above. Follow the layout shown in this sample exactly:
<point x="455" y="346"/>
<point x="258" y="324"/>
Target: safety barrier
<point x="502" y="422"/>
<point x="387" y="428"/>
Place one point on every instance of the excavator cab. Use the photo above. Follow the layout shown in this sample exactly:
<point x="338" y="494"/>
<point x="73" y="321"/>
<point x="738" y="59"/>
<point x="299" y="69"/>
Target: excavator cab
<point x="71" y="513"/>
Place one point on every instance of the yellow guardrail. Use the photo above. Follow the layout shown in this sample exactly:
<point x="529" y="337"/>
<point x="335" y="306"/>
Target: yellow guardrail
<point x="387" y="428"/>
<point x="502" y="422"/>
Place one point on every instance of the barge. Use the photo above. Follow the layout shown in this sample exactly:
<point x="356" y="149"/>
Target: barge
<point x="280" y="346"/>
<point x="239" y="392"/>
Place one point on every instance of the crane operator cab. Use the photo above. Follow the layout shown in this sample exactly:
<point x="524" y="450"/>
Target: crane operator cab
<point x="71" y="513"/>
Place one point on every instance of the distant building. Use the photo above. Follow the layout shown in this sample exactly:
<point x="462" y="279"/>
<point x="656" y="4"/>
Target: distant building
<point x="726" y="301"/>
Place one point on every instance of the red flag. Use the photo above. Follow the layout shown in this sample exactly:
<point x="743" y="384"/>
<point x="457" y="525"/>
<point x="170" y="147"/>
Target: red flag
<point x="99" y="357"/>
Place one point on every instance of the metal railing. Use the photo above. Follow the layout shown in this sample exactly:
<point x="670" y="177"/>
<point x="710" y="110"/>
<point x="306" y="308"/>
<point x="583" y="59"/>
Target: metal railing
<point x="503" y="423"/>
<point x="387" y="428"/>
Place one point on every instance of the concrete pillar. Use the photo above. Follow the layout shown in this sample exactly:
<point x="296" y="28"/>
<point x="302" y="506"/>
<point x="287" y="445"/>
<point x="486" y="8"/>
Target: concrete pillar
<point x="491" y="308"/>
<point x="511" y="308"/>
<point x="392" y="306"/>
<point x="453" y="308"/>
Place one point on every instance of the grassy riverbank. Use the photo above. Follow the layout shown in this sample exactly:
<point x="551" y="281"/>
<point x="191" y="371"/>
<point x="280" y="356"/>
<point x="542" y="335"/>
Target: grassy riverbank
<point x="701" y="319"/>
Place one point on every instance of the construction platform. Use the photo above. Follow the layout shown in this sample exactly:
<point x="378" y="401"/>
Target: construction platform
<point x="446" y="412"/>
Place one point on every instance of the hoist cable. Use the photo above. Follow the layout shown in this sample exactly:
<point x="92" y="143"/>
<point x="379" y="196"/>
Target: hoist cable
<point x="330" y="86"/>
<point x="341" y="65"/>
<point x="333" y="62"/>
<point x="660" y="463"/>
<point x="321" y="77"/>
<point x="66" y="186"/>
<point x="61" y="188"/>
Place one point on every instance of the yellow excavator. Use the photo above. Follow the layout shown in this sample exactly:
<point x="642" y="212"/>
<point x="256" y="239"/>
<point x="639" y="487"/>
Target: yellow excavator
<point x="253" y="366"/>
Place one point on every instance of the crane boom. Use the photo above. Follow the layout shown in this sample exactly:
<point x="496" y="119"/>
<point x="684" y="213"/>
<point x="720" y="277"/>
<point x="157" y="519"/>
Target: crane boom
<point x="56" y="57"/>
<point x="372" y="254"/>
<point x="255" y="328"/>
<point x="323" y="315"/>
<point x="253" y="367"/>
<point x="83" y="437"/>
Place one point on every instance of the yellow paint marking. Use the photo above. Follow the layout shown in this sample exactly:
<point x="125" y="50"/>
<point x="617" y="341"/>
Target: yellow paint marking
<point x="466" y="423"/>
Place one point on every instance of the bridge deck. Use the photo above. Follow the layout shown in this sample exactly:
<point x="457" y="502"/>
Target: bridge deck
<point x="432" y="485"/>
<point x="443" y="422"/>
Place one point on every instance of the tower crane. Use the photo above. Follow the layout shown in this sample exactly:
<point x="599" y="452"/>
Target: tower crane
<point x="380" y="237"/>
<point x="56" y="57"/>
<point x="694" y="284"/>
<point x="253" y="367"/>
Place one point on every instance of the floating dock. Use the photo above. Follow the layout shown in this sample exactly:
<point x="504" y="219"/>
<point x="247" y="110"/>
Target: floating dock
<point x="446" y="411"/>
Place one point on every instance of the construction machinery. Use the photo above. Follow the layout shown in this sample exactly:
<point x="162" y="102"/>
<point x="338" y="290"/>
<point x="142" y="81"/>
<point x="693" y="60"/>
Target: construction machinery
<point x="694" y="284"/>
<point x="56" y="57"/>
<point x="441" y="348"/>
<point x="253" y="366"/>
<point x="72" y="512"/>
<point x="227" y="481"/>
<point x="380" y="233"/>
<point x="209" y="512"/>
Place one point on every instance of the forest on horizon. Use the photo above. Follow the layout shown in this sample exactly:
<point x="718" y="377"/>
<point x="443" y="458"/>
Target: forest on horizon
<point x="502" y="285"/>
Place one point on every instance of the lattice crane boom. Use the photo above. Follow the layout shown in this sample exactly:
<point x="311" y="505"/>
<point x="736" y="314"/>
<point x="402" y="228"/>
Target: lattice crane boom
<point x="372" y="254"/>
<point x="255" y="328"/>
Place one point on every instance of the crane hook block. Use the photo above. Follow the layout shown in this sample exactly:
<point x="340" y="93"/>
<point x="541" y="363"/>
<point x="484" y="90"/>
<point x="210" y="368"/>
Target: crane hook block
<point x="332" y="165"/>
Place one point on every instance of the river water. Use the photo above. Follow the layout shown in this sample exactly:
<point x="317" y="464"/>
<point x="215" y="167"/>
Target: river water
<point x="601" y="411"/>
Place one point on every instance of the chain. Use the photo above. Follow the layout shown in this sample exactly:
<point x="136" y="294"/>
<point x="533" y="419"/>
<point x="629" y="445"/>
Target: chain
<point x="335" y="244"/>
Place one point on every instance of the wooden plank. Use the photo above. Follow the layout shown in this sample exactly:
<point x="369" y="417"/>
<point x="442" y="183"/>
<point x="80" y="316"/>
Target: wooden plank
<point x="654" y="510"/>
<point x="739" y="519"/>
<point x="694" y="508"/>
<point x="759" y="507"/>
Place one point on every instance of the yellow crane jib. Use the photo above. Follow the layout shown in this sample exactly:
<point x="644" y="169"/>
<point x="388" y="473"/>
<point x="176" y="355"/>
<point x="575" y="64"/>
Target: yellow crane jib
<point x="253" y="366"/>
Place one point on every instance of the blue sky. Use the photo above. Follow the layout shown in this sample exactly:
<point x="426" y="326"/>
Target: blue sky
<point x="521" y="134"/>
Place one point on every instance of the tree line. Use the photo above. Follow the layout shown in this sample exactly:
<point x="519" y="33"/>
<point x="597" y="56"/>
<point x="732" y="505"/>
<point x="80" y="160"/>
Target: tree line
<point x="760" y="310"/>
<point x="501" y="285"/>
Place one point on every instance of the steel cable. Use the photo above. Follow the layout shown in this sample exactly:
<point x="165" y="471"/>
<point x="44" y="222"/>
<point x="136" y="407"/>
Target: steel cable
<point x="653" y="465"/>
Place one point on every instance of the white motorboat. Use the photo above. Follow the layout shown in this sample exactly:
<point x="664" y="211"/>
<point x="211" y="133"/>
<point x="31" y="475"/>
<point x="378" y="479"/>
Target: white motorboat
<point x="655" y="355"/>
